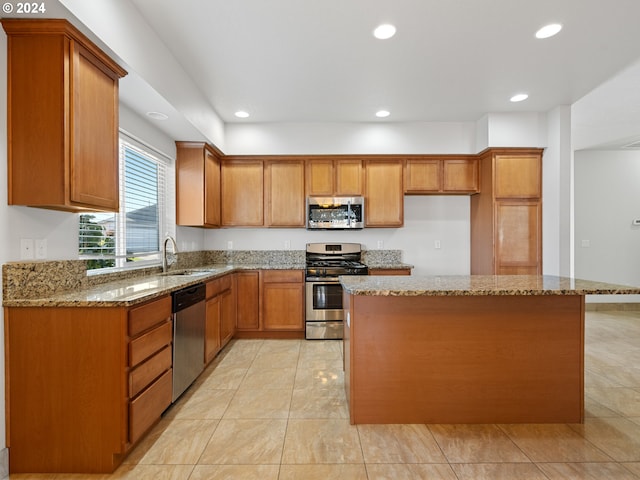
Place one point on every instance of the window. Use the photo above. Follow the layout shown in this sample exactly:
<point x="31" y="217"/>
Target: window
<point x="132" y="237"/>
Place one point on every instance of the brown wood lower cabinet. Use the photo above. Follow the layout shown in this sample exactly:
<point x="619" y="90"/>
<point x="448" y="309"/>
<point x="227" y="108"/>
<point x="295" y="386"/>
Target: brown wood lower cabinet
<point x="270" y="304"/>
<point x="248" y="301"/>
<point x="220" y="323"/>
<point x="282" y="300"/>
<point x="389" y="271"/>
<point x="84" y="384"/>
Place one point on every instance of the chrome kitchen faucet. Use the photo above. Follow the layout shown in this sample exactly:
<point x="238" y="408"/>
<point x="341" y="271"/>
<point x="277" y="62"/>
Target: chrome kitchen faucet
<point x="165" y="262"/>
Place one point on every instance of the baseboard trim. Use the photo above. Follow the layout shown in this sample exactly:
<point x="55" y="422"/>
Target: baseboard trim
<point x="608" y="307"/>
<point x="4" y="463"/>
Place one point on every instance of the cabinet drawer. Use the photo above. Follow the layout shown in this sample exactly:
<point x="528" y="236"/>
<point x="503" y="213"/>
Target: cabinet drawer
<point x="282" y="276"/>
<point x="147" y="372"/>
<point x="146" y="345"/>
<point x="145" y="410"/>
<point x="390" y="271"/>
<point x="146" y="316"/>
<point x="218" y="285"/>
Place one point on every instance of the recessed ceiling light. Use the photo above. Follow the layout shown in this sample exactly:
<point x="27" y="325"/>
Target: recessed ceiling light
<point x="384" y="31"/>
<point x="519" y="97"/>
<point x="549" y="30"/>
<point x="157" y="115"/>
<point x="383" y="113"/>
<point x="241" y="114"/>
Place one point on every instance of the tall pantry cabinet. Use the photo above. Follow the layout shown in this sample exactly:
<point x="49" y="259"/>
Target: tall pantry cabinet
<point x="506" y="217"/>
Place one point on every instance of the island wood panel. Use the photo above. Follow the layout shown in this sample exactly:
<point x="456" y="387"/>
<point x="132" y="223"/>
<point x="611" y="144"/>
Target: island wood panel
<point x="465" y="359"/>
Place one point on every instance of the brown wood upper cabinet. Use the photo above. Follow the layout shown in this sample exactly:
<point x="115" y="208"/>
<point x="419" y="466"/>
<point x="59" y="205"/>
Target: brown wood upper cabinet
<point x="242" y="191"/>
<point x="197" y="185"/>
<point x="506" y="217"/>
<point x="62" y="118"/>
<point x="334" y="176"/>
<point x="441" y="176"/>
<point x="284" y="193"/>
<point x="518" y="176"/>
<point x="384" y="197"/>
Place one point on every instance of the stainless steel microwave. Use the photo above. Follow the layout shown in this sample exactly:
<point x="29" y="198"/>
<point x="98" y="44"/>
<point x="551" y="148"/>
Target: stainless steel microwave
<point x="335" y="213"/>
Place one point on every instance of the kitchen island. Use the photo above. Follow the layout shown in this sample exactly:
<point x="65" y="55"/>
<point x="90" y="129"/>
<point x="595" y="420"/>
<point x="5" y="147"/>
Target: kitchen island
<point x="466" y="349"/>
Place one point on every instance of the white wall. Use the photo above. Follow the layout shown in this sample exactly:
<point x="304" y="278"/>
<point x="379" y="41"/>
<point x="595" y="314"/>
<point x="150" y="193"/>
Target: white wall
<point x="557" y="195"/>
<point x="427" y="219"/>
<point x="607" y="200"/>
<point x="4" y="220"/>
<point x="350" y="138"/>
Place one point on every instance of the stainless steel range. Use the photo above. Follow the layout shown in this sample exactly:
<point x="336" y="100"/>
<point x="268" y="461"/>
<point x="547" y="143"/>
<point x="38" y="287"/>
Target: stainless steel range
<point x="325" y="263"/>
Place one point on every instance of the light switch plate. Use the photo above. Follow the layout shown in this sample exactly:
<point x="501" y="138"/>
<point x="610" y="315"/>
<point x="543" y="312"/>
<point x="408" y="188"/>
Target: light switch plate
<point x="41" y="248"/>
<point x="26" y="249"/>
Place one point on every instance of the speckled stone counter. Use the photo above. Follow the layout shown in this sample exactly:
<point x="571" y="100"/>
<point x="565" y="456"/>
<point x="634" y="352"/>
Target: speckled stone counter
<point x="455" y="285"/>
<point x="133" y="290"/>
<point x="66" y="283"/>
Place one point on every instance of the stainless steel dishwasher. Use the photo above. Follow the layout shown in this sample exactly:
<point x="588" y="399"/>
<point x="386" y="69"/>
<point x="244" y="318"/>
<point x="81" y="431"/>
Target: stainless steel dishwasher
<point x="188" y="336"/>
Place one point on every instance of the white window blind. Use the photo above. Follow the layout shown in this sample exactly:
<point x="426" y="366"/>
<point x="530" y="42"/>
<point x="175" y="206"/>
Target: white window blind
<point x="133" y="236"/>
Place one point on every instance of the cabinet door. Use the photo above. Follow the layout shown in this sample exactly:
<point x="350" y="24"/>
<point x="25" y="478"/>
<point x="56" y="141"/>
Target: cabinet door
<point x="284" y="186"/>
<point x="211" y="190"/>
<point x="283" y="300"/>
<point x="519" y="237"/>
<point x="247" y="291"/>
<point x="94" y="138"/>
<point x="423" y="176"/>
<point x="384" y="198"/>
<point x="460" y="175"/>
<point x="62" y="113"/>
<point x="212" y="335"/>
<point x="518" y="176"/>
<point x="197" y="185"/>
<point x="320" y="177"/>
<point x="349" y="177"/>
<point x="242" y="183"/>
<point x="227" y="316"/>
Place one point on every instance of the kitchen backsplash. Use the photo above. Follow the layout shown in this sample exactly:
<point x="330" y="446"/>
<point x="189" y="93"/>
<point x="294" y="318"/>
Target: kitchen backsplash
<point x="382" y="257"/>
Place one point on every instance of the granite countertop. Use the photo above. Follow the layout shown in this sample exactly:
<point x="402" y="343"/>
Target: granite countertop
<point x="452" y="285"/>
<point x="131" y="291"/>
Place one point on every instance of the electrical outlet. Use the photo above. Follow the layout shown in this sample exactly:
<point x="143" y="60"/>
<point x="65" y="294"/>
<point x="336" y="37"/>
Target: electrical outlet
<point x="41" y="248"/>
<point x="436" y="244"/>
<point x="26" y="249"/>
<point x="380" y="244"/>
<point x="287" y="244"/>
<point x="230" y="245"/>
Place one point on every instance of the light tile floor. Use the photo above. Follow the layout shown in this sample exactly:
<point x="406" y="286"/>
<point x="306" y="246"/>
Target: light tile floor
<point x="269" y="409"/>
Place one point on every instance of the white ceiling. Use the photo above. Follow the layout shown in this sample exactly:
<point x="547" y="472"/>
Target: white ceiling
<point x="451" y="60"/>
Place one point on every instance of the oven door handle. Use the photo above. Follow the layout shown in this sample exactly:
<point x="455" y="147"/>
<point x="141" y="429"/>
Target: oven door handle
<point x="322" y="279"/>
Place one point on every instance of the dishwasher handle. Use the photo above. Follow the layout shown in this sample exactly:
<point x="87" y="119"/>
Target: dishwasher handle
<point x="188" y="296"/>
